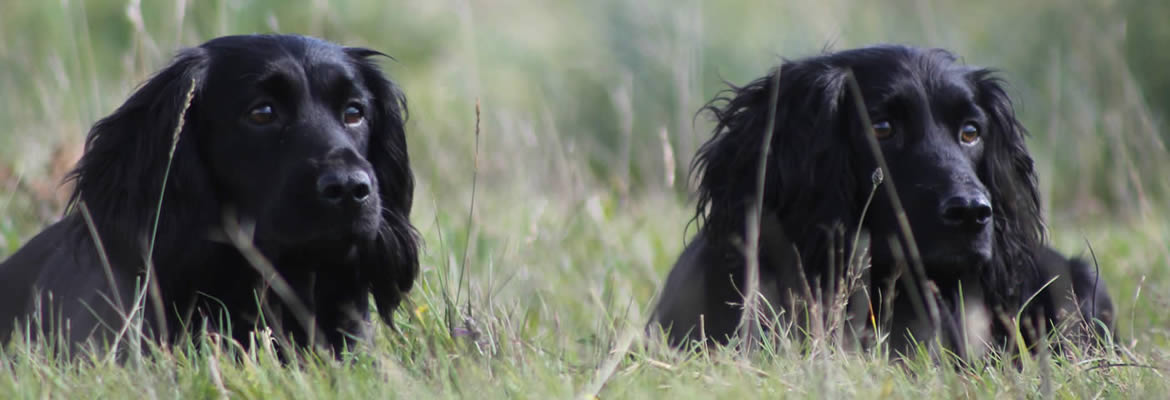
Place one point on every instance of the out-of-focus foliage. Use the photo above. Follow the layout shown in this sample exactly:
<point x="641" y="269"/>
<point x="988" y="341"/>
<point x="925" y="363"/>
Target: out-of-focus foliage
<point x="583" y="92"/>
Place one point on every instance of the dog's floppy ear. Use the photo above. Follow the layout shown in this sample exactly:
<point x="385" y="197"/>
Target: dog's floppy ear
<point x="1011" y="180"/>
<point x="120" y="176"/>
<point x="809" y="146"/>
<point x="392" y="263"/>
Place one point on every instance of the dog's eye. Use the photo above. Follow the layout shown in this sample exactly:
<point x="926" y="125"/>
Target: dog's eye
<point x="262" y="114"/>
<point x="352" y="115"/>
<point x="883" y="129"/>
<point x="969" y="133"/>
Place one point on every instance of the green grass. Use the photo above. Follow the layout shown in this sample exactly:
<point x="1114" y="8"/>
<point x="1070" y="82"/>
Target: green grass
<point x="580" y="213"/>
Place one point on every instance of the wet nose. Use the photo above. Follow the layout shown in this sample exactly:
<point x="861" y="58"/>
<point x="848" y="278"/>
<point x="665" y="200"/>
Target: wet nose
<point x="969" y="212"/>
<point x="344" y="187"/>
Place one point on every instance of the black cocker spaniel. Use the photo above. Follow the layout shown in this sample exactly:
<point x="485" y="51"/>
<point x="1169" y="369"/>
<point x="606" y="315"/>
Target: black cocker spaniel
<point x="256" y="179"/>
<point x="977" y="268"/>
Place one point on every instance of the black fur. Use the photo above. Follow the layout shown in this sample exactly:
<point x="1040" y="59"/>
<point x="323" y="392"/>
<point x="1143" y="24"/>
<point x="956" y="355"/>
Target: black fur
<point x="326" y="190"/>
<point x="973" y="207"/>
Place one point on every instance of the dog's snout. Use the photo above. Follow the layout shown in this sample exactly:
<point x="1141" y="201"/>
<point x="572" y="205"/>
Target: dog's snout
<point x="344" y="187"/>
<point x="966" y="211"/>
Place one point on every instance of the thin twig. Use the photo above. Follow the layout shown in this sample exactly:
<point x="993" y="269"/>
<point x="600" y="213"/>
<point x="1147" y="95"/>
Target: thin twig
<point x="102" y="256"/>
<point x="151" y="282"/>
<point x="443" y="277"/>
<point x="749" y="323"/>
<point x="1125" y="365"/>
<point x="470" y="219"/>
<point x="241" y="238"/>
<point x="1096" y="278"/>
<point x="918" y="275"/>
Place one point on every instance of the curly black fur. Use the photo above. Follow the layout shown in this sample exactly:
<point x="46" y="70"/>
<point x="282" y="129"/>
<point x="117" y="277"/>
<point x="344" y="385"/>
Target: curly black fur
<point x="973" y="207"/>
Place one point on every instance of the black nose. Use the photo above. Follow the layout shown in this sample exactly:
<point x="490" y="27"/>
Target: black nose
<point x="343" y="187"/>
<point x="972" y="212"/>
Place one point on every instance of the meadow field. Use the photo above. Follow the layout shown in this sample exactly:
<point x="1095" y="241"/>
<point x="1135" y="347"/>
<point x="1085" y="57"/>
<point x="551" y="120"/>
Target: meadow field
<point x="539" y="283"/>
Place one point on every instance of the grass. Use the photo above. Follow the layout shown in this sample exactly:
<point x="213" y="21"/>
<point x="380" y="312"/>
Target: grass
<point x="541" y="325"/>
<point x="538" y="287"/>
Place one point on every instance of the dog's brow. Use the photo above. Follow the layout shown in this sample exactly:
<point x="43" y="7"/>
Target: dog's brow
<point x="279" y="74"/>
<point x="893" y="95"/>
<point x="335" y="82"/>
<point x="959" y="101"/>
<point x="893" y="89"/>
<point x="279" y="65"/>
<point x="278" y="81"/>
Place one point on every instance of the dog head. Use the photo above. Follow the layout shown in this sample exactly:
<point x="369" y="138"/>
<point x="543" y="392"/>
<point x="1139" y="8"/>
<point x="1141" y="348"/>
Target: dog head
<point x="954" y="149"/>
<point x="302" y="137"/>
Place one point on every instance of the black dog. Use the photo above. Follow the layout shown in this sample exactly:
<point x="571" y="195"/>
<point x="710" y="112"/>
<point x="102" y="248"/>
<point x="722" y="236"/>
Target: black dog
<point x="287" y="202"/>
<point x="963" y="175"/>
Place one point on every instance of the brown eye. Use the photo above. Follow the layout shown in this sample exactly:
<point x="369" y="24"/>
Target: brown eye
<point x="883" y="129"/>
<point x="262" y="114"/>
<point x="352" y="115"/>
<point x="969" y="133"/>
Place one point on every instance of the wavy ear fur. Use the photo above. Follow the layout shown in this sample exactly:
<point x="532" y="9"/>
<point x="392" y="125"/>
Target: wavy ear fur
<point x="120" y="176"/>
<point x="809" y="145"/>
<point x="392" y="264"/>
<point x="1011" y="180"/>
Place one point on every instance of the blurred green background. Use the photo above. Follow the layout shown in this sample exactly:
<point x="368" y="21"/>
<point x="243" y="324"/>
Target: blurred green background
<point x="588" y="127"/>
<point x="583" y="95"/>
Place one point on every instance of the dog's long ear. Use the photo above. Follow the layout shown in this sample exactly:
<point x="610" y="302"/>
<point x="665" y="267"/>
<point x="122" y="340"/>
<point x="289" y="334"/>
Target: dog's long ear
<point x="120" y="176"/>
<point x="1011" y="180"/>
<point x="808" y="161"/>
<point x="392" y="264"/>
